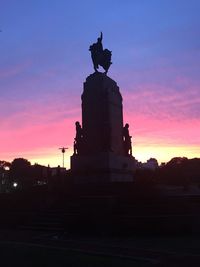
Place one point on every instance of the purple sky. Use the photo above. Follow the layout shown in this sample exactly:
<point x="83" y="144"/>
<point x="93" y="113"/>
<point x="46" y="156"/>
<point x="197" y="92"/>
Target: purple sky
<point x="45" y="60"/>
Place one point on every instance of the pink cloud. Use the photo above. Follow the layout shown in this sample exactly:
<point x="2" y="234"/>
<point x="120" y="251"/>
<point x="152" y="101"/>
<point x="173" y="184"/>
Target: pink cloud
<point x="157" y="113"/>
<point x="8" y="72"/>
<point x="160" y="101"/>
<point x="38" y="136"/>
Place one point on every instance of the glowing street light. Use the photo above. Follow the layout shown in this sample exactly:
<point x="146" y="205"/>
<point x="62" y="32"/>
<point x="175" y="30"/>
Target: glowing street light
<point x="15" y="184"/>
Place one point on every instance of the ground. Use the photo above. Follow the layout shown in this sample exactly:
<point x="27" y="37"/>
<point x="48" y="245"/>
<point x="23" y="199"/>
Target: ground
<point x="26" y="248"/>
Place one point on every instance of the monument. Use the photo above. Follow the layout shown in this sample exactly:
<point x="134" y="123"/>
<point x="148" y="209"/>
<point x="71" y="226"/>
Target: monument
<point x="102" y="145"/>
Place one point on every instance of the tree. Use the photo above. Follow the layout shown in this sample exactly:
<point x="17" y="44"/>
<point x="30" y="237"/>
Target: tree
<point x="20" y="171"/>
<point x="180" y="171"/>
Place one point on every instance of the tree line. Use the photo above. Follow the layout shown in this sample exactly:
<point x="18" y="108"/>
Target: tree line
<point x="179" y="171"/>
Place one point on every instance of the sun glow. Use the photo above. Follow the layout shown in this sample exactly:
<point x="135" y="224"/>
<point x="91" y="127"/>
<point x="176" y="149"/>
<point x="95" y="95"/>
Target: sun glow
<point x="142" y="153"/>
<point x="164" y="153"/>
<point x="53" y="158"/>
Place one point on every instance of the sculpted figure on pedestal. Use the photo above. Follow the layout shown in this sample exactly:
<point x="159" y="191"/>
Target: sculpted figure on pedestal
<point x="127" y="140"/>
<point x="99" y="56"/>
<point x="78" y="140"/>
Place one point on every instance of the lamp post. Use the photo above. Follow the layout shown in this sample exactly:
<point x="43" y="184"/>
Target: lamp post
<point x="63" y="152"/>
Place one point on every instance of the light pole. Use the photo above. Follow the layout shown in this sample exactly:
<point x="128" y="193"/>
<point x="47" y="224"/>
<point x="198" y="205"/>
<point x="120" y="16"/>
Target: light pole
<point x="63" y="152"/>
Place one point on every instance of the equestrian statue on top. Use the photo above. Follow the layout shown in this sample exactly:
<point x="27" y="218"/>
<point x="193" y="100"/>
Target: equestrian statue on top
<point x="100" y="56"/>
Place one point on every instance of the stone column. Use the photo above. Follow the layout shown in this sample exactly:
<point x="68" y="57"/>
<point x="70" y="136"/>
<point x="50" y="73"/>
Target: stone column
<point x="102" y="157"/>
<point x="102" y="117"/>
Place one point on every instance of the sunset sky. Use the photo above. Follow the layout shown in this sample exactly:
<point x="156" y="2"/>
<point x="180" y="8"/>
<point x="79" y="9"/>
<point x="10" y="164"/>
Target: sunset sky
<point x="44" y="60"/>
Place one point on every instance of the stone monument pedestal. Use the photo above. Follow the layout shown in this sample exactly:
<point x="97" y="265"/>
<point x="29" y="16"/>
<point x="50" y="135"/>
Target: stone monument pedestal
<point x="103" y="167"/>
<point x="100" y="155"/>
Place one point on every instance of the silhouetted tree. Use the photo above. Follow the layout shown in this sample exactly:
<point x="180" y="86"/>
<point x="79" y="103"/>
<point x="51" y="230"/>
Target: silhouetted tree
<point x="180" y="171"/>
<point x="20" y="171"/>
<point x="39" y="173"/>
<point x="145" y="177"/>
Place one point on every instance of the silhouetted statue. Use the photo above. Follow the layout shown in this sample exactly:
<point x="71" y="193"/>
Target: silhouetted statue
<point x="99" y="56"/>
<point x="78" y="139"/>
<point x="127" y="140"/>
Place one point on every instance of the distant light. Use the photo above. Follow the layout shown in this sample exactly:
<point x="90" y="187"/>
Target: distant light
<point x="15" y="184"/>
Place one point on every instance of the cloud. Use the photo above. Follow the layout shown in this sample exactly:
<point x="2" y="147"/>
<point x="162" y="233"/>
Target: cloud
<point x="159" y="115"/>
<point x="10" y="71"/>
<point x="38" y="137"/>
<point x="163" y="92"/>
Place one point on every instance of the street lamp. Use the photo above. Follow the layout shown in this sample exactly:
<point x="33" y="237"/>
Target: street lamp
<point x="63" y="152"/>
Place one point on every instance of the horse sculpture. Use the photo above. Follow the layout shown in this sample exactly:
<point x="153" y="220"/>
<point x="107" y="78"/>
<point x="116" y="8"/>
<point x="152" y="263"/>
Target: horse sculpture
<point x="99" y="56"/>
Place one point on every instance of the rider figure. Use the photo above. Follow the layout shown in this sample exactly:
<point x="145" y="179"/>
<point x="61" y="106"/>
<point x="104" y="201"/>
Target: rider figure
<point x="99" y="46"/>
<point x="96" y="51"/>
<point x="100" y="57"/>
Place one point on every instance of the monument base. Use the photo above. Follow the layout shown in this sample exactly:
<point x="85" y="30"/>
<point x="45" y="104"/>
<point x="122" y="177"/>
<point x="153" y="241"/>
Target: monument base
<point x="103" y="167"/>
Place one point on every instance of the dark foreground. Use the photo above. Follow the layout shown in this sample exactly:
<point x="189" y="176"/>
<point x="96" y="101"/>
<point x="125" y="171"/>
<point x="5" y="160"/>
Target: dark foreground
<point x="26" y="248"/>
<point x="120" y="226"/>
